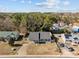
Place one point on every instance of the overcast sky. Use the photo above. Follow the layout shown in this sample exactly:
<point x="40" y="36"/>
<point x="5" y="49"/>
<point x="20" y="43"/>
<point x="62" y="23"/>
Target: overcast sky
<point x="39" y="5"/>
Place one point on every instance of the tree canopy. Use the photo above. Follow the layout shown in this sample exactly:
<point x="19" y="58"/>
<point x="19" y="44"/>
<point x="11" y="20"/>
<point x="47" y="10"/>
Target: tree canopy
<point x="33" y="21"/>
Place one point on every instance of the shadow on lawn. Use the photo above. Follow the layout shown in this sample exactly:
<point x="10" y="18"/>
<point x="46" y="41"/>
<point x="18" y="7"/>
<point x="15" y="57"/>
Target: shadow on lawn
<point x="16" y="45"/>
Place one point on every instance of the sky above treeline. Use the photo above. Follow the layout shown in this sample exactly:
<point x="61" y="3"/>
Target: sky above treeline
<point x="39" y="5"/>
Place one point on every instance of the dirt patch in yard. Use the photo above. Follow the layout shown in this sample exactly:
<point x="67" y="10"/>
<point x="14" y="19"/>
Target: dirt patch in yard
<point x="76" y="52"/>
<point x="5" y="49"/>
<point x="29" y="48"/>
<point x="42" y="49"/>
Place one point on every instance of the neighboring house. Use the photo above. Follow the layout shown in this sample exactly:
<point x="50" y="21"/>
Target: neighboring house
<point x="39" y="36"/>
<point x="68" y="37"/>
<point x="75" y="38"/>
<point x="75" y="28"/>
<point x="72" y="37"/>
<point x="6" y="35"/>
<point x="55" y="26"/>
<point x="59" y="25"/>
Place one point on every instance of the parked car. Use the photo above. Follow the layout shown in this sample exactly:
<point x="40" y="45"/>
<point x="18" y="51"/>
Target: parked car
<point x="62" y="45"/>
<point x="75" y="38"/>
<point x="71" y="49"/>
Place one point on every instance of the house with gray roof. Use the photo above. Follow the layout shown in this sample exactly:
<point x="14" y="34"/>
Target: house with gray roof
<point x="41" y="37"/>
<point x="6" y="35"/>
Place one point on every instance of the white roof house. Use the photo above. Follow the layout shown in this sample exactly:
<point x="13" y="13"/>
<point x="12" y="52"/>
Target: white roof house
<point x="55" y="26"/>
<point x="60" y="25"/>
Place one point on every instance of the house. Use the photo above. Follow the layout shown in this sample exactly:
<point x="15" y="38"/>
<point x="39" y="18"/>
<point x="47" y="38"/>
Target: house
<point x="73" y="37"/>
<point x="75" y="29"/>
<point x="58" y="26"/>
<point x="7" y="35"/>
<point x="69" y="37"/>
<point x="55" y="26"/>
<point x="61" y="23"/>
<point x="40" y="37"/>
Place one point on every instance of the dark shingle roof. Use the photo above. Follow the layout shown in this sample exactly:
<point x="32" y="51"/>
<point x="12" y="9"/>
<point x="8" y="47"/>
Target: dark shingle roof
<point x="43" y="35"/>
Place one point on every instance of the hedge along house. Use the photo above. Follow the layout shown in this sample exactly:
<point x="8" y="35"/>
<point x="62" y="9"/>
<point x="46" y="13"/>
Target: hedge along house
<point x="40" y="37"/>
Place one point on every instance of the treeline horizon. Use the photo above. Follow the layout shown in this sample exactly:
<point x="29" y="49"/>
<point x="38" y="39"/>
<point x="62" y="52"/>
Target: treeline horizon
<point x="34" y="21"/>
